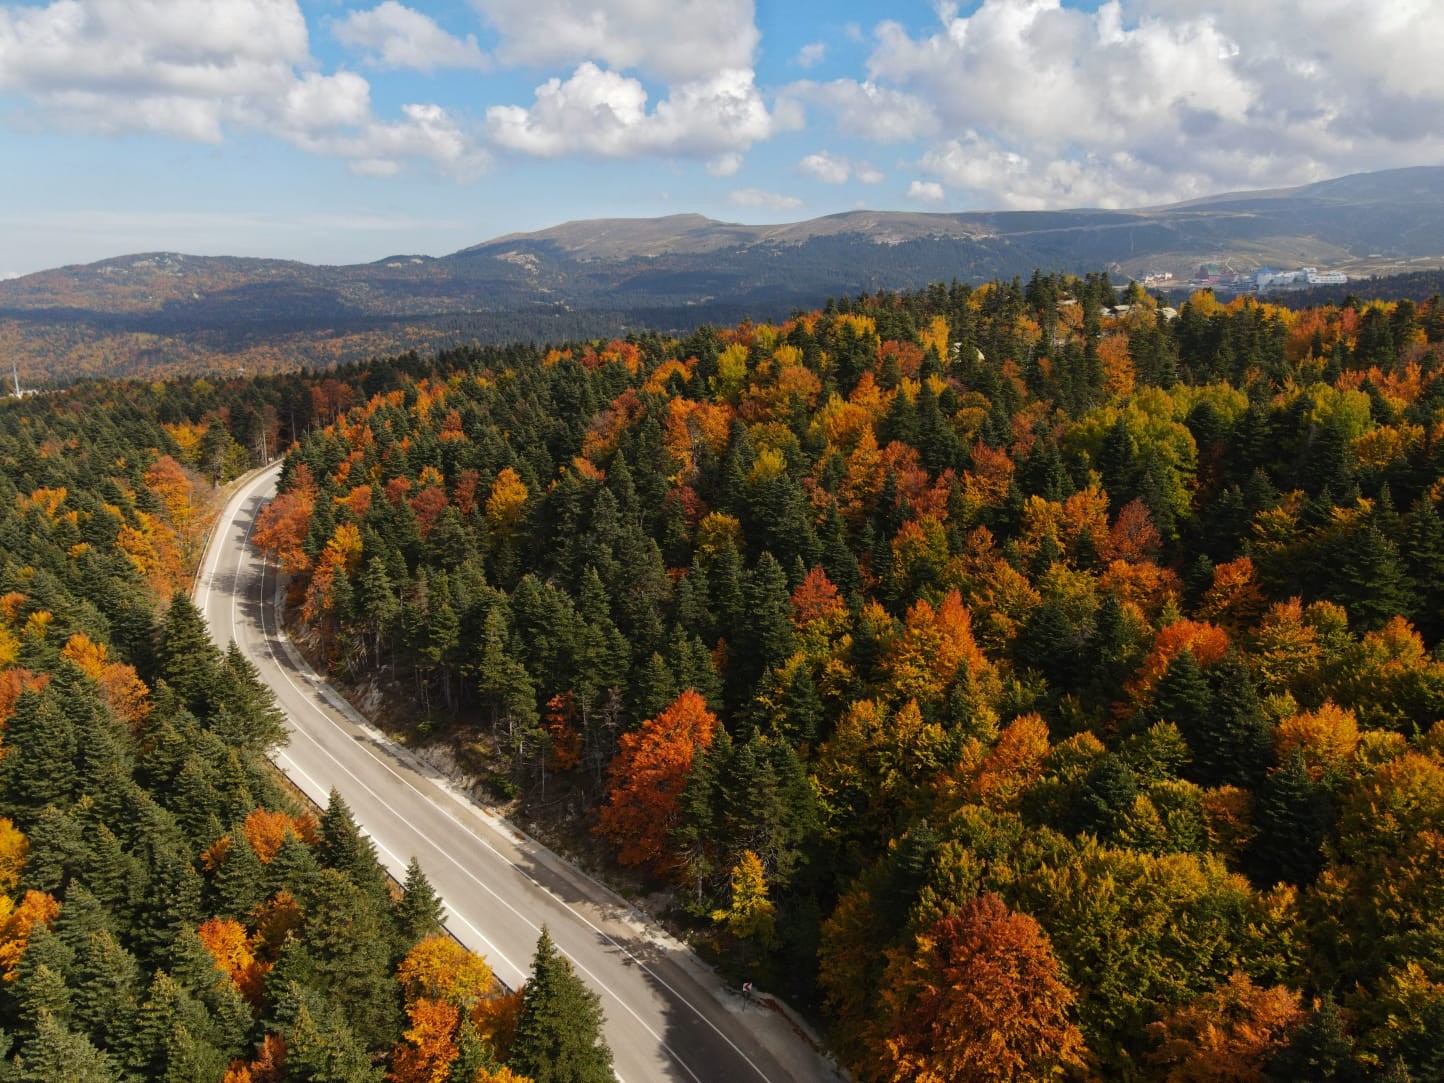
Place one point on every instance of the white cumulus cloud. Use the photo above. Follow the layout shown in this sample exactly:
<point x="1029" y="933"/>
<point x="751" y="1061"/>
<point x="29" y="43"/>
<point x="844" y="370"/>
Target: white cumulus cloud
<point x="830" y="168"/>
<point x="756" y="197"/>
<point x="926" y="192"/>
<point x="866" y="110"/>
<point x="393" y="35"/>
<point x="725" y="165"/>
<point x="605" y="113"/>
<point x="194" y="68"/>
<point x="676" y="40"/>
<point x="1042" y="104"/>
<point x="826" y="167"/>
<point x="811" y="54"/>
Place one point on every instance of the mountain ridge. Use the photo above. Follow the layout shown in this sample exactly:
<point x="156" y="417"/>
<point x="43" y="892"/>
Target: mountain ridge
<point x="600" y="277"/>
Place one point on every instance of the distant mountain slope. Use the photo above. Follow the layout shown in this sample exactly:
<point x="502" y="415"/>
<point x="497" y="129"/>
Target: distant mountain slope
<point x="165" y="311"/>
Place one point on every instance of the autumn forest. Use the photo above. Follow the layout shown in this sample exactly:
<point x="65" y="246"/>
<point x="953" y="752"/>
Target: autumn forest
<point x="1024" y="681"/>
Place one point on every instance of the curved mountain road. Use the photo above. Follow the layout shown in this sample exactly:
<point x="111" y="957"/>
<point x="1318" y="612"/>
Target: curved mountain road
<point x="668" y="1016"/>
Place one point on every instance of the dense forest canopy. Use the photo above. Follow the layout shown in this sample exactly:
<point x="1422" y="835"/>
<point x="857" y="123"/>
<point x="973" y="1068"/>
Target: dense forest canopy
<point x="169" y="908"/>
<point x="1031" y="690"/>
<point x="1028" y="690"/>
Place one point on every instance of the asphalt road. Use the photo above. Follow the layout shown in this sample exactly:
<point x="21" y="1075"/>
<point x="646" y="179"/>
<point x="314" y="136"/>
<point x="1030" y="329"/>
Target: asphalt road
<point x="668" y="1016"/>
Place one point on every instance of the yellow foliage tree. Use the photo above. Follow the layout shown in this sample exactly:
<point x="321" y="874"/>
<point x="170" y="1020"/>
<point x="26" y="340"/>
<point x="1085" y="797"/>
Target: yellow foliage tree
<point x="507" y="503"/>
<point x="13" y="849"/>
<point x="752" y="915"/>
<point x="438" y="968"/>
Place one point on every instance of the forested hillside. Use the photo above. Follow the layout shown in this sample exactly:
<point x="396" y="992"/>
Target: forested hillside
<point x="168" y="909"/>
<point x="164" y="313"/>
<point x="1035" y="693"/>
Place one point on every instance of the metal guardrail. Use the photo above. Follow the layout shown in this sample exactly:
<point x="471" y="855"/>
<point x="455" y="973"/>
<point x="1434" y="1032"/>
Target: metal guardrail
<point x="289" y="784"/>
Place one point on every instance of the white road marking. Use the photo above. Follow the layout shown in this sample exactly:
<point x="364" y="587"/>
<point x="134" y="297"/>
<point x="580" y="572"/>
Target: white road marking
<point x="213" y="562"/>
<point x="270" y="649"/>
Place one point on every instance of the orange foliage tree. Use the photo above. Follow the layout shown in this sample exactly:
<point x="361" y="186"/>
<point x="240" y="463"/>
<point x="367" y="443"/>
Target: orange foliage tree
<point x="428" y="1047"/>
<point x="1208" y="642"/>
<point x="267" y="1067"/>
<point x="266" y="830"/>
<point x="230" y="946"/>
<point x="495" y="1019"/>
<point x="120" y="686"/>
<point x="282" y="526"/>
<point x="1228" y="1035"/>
<point x="935" y="644"/>
<point x="507" y="503"/>
<point x="647" y="776"/>
<point x="17" y="923"/>
<point x="978" y="999"/>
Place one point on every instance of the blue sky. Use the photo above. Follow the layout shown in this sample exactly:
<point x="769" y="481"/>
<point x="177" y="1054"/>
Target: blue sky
<point x="333" y="131"/>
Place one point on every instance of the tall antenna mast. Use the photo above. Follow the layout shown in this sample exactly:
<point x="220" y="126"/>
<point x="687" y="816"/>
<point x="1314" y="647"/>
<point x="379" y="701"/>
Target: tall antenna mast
<point x="15" y="371"/>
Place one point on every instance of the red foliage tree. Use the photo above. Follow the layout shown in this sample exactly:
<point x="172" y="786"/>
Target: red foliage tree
<point x="282" y="526"/>
<point x="647" y="776"/>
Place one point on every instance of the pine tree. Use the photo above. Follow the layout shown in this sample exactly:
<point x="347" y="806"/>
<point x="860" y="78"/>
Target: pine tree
<point x="343" y="847"/>
<point x="40" y="979"/>
<point x="1107" y="796"/>
<point x="187" y="659"/>
<point x="240" y="880"/>
<point x="82" y="916"/>
<point x="59" y="1055"/>
<point x="1293" y="817"/>
<point x="107" y="990"/>
<point x="294" y="868"/>
<point x="40" y="753"/>
<point x="170" y="1041"/>
<point x="227" y="1015"/>
<point x="653" y="687"/>
<point x="249" y="716"/>
<point x="1319" y="1050"/>
<point x="349" y="945"/>
<point x="376" y="600"/>
<point x="766" y="638"/>
<point x="1234" y="746"/>
<point x="321" y="1046"/>
<point x="173" y="902"/>
<point x="419" y="911"/>
<point x="1423" y="553"/>
<point x="1368" y="579"/>
<point x="559" y="1034"/>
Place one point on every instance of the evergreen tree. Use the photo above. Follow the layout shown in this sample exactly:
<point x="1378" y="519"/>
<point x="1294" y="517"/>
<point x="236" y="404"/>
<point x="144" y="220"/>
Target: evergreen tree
<point x="249" y="716"/>
<point x="344" y="848"/>
<point x="186" y="658"/>
<point x="40" y="979"/>
<point x="1319" y="1050"/>
<point x="767" y="639"/>
<point x="240" y="881"/>
<point x="1293" y="818"/>
<point x="1368" y="579"/>
<point x="419" y="910"/>
<point x="1183" y="697"/>
<point x="57" y="1054"/>
<point x="559" y="1033"/>
<point x="107" y="990"/>
<point x="1234" y="745"/>
<point x="346" y="956"/>
<point x="173" y="904"/>
<point x="170" y="1041"/>
<point x="321" y="1046"/>
<point x="40" y="753"/>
